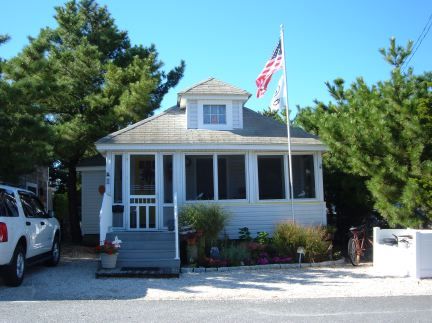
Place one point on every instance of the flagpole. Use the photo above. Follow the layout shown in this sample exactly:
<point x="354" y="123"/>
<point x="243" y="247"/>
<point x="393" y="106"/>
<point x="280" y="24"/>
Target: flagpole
<point x="287" y="123"/>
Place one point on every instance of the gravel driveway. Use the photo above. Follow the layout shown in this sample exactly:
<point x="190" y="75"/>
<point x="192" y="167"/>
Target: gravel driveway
<point x="74" y="279"/>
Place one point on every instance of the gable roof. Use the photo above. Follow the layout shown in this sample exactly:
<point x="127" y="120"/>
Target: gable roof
<point x="212" y="86"/>
<point x="169" y="127"/>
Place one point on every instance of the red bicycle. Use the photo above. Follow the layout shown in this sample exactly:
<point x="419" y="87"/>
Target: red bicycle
<point x="359" y="244"/>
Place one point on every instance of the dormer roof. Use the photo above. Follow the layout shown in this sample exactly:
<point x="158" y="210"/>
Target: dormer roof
<point x="212" y="86"/>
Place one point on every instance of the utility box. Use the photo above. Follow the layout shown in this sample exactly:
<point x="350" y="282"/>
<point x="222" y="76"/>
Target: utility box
<point x="403" y="252"/>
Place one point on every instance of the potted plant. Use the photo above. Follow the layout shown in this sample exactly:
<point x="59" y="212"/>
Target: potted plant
<point x="108" y="253"/>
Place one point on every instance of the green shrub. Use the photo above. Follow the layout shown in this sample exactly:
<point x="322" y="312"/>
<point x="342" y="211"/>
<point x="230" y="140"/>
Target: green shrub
<point x="236" y="255"/>
<point x="208" y="218"/>
<point x="289" y="236"/>
<point x="244" y="234"/>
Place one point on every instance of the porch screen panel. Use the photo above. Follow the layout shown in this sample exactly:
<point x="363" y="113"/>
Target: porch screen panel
<point x="118" y="179"/>
<point x="231" y="177"/>
<point x="142" y="175"/>
<point x="142" y="217"/>
<point x="199" y="177"/>
<point x="303" y="176"/>
<point x="133" y="217"/>
<point x="271" y="177"/>
<point x="168" y="178"/>
<point x="152" y="217"/>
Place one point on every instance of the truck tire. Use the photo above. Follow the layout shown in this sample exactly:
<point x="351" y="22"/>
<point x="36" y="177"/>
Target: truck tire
<point x="14" y="272"/>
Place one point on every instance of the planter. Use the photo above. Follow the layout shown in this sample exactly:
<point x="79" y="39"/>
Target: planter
<point x="108" y="261"/>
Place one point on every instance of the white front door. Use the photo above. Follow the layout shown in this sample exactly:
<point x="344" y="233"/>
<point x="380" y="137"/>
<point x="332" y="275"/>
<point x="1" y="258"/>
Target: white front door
<point x="143" y="213"/>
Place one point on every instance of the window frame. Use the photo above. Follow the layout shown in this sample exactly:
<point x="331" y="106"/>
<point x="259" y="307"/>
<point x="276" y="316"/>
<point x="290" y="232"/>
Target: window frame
<point x="286" y="177"/>
<point x="228" y="117"/>
<point x="216" y="177"/>
<point x="162" y="203"/>
<point x="210" y="106"/>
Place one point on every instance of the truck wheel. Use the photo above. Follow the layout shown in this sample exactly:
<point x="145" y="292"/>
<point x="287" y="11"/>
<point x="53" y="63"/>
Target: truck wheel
<point x="14" y="273"/>
<point x="55" y="253"/>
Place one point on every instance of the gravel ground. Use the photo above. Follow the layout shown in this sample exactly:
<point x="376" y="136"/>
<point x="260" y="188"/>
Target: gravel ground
<point x="74" y="279"/>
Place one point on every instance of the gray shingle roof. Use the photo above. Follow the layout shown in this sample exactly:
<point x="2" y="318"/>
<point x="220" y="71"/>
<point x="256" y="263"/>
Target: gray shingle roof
<point x="169" y="127"/>
<point x="213" y="86"/>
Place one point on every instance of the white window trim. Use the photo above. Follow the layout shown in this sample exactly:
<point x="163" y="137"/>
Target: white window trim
<point x="229" y="118"/>
<point x="287" y="198"/>
<point x="215" y="178"/>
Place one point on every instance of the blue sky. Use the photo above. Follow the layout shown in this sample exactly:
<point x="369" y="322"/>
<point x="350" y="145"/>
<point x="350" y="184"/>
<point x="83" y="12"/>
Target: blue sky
<point x="231" y="40"/>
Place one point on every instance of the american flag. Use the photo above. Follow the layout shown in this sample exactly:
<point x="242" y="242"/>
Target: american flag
<point x="274" y="64"/>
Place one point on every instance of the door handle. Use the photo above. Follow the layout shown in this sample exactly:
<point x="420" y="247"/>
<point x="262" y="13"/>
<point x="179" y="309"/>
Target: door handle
<point x="42" y="223"/>
<point x="28" y="223"/>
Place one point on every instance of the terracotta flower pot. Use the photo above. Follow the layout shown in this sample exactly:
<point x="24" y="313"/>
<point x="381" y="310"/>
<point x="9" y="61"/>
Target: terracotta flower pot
<point x="108" y="261"/>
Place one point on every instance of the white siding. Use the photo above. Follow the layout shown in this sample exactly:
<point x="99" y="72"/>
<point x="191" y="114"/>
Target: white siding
<point x="192" y="114"/>
<point x="91" y="200"/>
<point x="237" y="114"/>
<point x="265" y="216"/>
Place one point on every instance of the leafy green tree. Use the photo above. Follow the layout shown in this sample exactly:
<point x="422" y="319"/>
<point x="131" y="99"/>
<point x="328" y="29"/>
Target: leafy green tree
<point x="382" y="134"/>
<point x="91" y="82"/>
<point x="23" y="131"/>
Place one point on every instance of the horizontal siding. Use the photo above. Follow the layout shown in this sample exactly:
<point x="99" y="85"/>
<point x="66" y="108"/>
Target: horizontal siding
<point x="91" y="201"/>
<point x="265" y="217"/>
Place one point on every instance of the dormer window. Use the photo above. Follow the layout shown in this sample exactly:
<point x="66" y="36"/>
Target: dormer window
<point x="214" y="114"/>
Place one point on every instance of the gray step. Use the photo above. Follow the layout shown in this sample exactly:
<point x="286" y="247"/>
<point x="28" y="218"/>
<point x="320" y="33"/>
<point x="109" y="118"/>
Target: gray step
<point x="154" y="263"/>
<point x="140" y="254"/>
<point x="142" y="236"/>
<point x="147" y="245"/>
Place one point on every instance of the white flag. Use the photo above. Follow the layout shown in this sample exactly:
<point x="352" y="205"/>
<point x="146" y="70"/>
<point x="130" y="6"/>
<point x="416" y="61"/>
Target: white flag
<point x="278" y="99"/>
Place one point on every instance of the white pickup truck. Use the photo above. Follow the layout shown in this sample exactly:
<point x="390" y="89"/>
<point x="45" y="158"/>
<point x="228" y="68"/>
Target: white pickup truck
<point x="27" y="234"/>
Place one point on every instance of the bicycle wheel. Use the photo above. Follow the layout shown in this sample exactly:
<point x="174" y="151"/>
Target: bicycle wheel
<point x="353" y="255"/>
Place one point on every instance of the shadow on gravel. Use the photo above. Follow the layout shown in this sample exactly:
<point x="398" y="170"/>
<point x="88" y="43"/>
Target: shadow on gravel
<point x="74" y="279"/>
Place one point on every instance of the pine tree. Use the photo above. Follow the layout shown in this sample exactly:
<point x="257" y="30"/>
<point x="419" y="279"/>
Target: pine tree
<point x="91" y="82"/>
<point x="382" y="133"/>
<point x="23" y="132"/>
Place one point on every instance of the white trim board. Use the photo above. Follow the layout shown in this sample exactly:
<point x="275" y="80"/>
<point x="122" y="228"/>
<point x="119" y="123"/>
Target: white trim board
<point x="208" y="147"/>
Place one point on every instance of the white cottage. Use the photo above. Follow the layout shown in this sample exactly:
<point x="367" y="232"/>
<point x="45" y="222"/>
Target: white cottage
<point x="207" y="148"/>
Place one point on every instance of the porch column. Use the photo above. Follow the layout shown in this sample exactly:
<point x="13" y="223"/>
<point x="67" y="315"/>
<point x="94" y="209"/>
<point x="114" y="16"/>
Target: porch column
<point x="105" y="214"/>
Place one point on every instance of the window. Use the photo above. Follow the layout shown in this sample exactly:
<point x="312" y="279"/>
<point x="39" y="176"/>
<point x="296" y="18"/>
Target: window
<point x="271" y="177"/>
<point x="142" y="175"/>
<point x="8" y="205"/>
<point x="32" y="207"/>
<point x="231" y="177"/>
<point x="118" y="179"/>
<point x="214" y="114"/>
<point x="199" y="177"/>
<point x="303" y="176"/>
